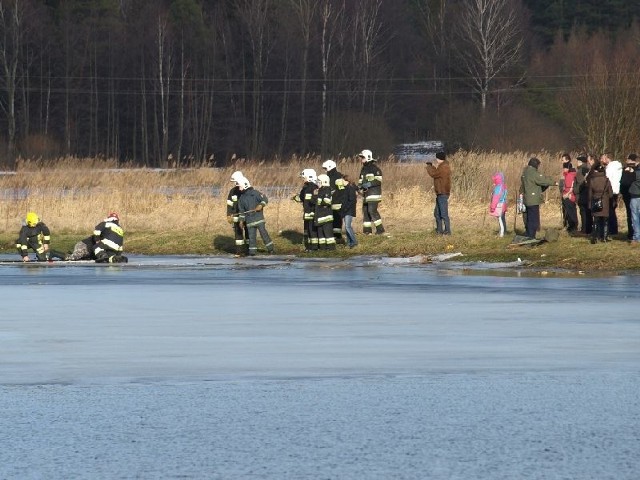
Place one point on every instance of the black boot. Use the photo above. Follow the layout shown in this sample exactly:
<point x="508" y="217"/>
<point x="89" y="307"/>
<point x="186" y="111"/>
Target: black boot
<point x="605" y="233"/>
<point x="594" y="233"/>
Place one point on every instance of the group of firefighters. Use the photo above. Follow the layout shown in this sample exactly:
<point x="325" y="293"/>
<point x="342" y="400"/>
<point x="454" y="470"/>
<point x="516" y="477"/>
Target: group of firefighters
<point x="328" y="202"/>
<point x="105" y="245"/>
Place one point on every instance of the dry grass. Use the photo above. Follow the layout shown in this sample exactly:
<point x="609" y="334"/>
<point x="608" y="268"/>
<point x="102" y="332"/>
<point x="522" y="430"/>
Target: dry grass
<point x="72" y="195"/>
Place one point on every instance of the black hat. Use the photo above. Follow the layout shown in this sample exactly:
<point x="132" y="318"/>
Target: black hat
<point x="582" y="158"/>
<point x="567" y="165"/>
<point x="441" y="156"/>
<point x="534" y="162"/>
<point x="633" y="157"/>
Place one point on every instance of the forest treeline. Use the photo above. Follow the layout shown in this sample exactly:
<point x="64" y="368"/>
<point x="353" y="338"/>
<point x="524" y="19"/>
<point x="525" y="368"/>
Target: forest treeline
<point x="192" y="82"/>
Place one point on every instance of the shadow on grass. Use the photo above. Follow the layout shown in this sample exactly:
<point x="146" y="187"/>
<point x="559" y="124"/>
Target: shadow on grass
<point x="293" y="236"/>
<point x="224" y="243"/>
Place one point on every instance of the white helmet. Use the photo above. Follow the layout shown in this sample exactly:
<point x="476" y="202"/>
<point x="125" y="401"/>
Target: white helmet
<point x="237" y="176"/>
<point x="324" y="180"/>
<point x="329" y="165"/>
<point x="366" y="155"/>
<point x="244" y="183"/>
<point x="309" y="174"/>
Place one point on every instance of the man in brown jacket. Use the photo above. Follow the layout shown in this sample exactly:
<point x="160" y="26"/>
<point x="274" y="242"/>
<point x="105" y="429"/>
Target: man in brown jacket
<point x="441" y="175"/>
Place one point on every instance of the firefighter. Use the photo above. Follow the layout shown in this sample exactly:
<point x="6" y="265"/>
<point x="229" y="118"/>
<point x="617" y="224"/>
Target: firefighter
<point x="251" y="204"/>
<point x="305" y="197"/>
<point x="370" y="185"/>
<point x="324" y="215"/>
<point x="337" y="197"/>
<point x="108" y="238"/>
<point x="240" y="232"/>
<point x="35" y="235"/>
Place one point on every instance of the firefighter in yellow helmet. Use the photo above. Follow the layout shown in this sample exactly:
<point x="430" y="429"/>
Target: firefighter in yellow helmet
<point x="35" y="235"/>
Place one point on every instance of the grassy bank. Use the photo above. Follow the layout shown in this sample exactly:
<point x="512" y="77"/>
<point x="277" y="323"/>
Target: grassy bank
<point x="183" y="212"/>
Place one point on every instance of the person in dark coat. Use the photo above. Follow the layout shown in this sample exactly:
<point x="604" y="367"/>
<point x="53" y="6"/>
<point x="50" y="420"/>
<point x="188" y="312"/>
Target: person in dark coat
<point x="348" y="210"/>
<point x="627" y="179"/>
<point x="599" y="190"/>
<point x="582" y="194"/>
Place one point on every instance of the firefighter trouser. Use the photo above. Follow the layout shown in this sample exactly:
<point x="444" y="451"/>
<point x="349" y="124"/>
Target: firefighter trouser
<point x="371" y="218"/>
<point x="253" y="238"/>
<point x="312" y="235"/>
<point x="337" y="225"/>
<point x="326" y="240"/>
<point x="241" y="236"/>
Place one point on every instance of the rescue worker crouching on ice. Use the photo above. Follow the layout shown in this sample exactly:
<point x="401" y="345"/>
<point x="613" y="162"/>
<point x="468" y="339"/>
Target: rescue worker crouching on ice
<point x="240" y="231"/>
<point x="370" y="184"/>
<point x="108" y="237"/>
<point x="324" y="214"/>
<point x="251" y="203"/>
<point x="306" y="198"/>
<point x="35" y="235"/>
<point x="337" y="197"/>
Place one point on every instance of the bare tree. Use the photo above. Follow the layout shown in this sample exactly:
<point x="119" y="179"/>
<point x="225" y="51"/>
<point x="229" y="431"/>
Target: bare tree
<point x="434" y="15"/>
<point x="368" y="45"/>
<point x="491" y="41"/>
<point x="305" y="13"/>
<point x="12" y="34"/>
<point x="256" y="16"/>
<point x="164" y="66"/>
<point x="603" y="104"/>
<point x="332" y="22"/>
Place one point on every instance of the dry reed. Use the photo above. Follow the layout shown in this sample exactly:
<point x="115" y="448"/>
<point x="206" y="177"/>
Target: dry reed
<point x="72" y="195"/>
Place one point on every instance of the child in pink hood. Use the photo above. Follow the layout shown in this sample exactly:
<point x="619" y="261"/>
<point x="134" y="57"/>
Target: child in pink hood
<point x="498" y="206"/>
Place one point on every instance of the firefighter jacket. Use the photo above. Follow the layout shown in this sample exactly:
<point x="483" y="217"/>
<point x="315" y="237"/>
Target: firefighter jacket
<point x="323" y="206"/>
<point x="34" y="238"/>
<point x="109" y="235"/>
<point x="337" y="189"/>
<point x="306" y="198"/>
<point x="232" y="203"/>
<point x="371" y="182"/>
<point x="250" y="200"/>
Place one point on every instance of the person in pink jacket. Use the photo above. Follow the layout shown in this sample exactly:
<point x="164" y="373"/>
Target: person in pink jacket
<point x="569" y="197"/>
<point x="498" y="206"/>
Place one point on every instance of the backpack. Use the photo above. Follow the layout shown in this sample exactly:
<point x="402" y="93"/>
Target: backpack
<point x="634" y="189"/>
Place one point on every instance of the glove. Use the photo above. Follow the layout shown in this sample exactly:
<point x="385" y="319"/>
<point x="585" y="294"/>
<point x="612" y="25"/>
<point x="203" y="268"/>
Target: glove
<point x="296" y="198"/>
<point x="259" y="208"/>
<point x="230" y="219"/>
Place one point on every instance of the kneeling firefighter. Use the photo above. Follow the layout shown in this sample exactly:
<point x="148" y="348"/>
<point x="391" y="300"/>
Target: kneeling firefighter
<point x="108" y="238"/>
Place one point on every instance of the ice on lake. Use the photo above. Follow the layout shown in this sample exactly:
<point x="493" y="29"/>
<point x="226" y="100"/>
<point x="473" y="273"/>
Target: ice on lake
<point x="279" y="367"/>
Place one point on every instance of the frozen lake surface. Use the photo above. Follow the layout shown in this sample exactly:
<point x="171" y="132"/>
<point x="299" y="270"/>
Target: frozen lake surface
<point x="275" y="367"/>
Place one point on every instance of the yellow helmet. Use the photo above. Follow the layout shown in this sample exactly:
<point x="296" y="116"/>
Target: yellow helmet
<point x="32" y="219"/>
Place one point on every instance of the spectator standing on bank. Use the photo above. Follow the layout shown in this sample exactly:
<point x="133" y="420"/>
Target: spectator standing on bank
<point x="565" y="159"/>
<point x="441" y="175"/>
<point x="569" y="197"/>
<point x="498" y="206"/>
<point x="634" y="204"/>
<point x="613" y="170"/>
<point x="582" y="195"/>
<point x="600" y="195"/>
<point x="533" y="183"/>
<point x="627" y="179"/>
